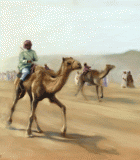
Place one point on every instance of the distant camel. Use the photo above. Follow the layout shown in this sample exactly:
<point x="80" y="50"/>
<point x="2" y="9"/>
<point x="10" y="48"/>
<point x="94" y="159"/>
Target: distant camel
<point x="94" y="77"/>
<point x="41" y="84"/>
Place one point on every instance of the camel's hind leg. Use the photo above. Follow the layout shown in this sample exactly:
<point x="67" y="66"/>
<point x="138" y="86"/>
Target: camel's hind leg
<point x="38" y="128"/>
<point x="83" y="93"/>
<point x="18" y="95"/>
<point x="81" y="84"/>
<point x="102" y="92"/>
<point x="97" y="91"/>
<point x="56" y="101"/>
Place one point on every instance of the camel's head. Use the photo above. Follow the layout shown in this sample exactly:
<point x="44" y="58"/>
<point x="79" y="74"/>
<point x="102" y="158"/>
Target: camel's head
<point x="110" y="67"/>
<point x="71" y="64"/>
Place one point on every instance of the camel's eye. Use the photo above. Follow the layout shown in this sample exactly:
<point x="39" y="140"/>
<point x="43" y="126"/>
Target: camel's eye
<point x="68" y="63"/>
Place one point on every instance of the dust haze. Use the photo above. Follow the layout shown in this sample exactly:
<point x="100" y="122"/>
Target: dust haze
<point x="96" y="130"/>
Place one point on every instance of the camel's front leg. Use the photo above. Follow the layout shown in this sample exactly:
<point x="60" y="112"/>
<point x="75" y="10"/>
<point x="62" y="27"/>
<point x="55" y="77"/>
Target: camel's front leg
<point x="12" y="111"/>
<point x="18" y="95"/>
<point x="31" y="99"/>
<point x="32" y="116"/>
<point x="56" y="101"/>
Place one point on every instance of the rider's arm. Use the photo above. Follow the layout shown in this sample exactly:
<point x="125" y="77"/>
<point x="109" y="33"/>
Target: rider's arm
<point x="35" y="57"/>
<point x="22" y="59"/>
<point x="88" y="67"/>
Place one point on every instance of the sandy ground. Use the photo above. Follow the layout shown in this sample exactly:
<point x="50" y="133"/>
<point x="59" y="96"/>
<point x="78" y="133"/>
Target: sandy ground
<point x="107" y="130"/>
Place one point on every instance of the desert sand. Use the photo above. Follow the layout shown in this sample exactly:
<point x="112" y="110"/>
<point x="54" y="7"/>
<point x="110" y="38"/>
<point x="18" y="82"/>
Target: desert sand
<point x="107" y="130"/>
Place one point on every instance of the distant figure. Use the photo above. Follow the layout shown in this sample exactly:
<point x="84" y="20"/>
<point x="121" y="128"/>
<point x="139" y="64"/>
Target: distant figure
<point x="124" y="79"/>
<point x="105" y="81"/>
<point x="46" y="67"/>
<point x="11" y="75"/>
<point x="2" y="76"/>
<point x="14" y="75"/>
<point x="77" y="77"/>
<point x="86" y="68"/>
<point x="7" y="75"/>
<point x="130" y="80"/>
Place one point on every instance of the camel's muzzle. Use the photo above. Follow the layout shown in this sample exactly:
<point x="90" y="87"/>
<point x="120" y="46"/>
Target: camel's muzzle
<point x="114" y="67"/>
<point x="76" y="65"/>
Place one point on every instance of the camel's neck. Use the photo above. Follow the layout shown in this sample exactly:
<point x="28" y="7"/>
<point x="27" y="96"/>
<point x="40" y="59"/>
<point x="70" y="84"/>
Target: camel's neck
<point x="59" y="81"/>
<point x="104" y="73"/>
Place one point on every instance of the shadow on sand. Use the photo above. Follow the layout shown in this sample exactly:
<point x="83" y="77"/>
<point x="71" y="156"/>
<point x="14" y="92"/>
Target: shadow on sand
<point x="114" y="100"/>
<point x="122" y="100"/>
<point x="90" y="143"/>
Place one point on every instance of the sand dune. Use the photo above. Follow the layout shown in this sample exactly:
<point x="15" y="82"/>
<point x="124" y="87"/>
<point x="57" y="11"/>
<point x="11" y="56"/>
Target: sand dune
<point x="107" y="130"/>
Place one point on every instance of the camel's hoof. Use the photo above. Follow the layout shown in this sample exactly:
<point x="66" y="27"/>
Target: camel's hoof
<point x="102" y="97"/>
<point x="28" y="135"/>
<point x="39" y="131"/>
<point x="9" y="123"/>
<point x="63" y="132"/>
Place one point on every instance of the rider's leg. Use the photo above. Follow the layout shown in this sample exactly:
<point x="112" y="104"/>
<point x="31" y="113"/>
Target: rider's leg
<point x="25" y="72"/>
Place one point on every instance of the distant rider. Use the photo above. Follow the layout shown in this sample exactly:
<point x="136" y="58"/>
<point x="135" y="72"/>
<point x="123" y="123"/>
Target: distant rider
<point x="86" y="68"/>
<point x="46" y="67"/>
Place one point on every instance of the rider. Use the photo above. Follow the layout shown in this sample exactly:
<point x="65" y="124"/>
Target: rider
<point x="26" y="57"/>
<point x="86" y="68"/>
<point x="46" y="67"/>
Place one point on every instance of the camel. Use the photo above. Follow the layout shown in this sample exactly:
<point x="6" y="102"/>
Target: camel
<point x="41" y="84"/>
<point x="94" y="77"/>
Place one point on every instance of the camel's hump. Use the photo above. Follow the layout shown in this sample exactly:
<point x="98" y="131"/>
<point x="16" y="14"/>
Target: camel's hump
<point x="95" y="72"/>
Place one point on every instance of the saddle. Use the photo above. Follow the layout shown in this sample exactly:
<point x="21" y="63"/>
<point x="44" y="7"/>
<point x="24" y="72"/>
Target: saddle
<point x="84" y="73"/>
<point x="32" y="70"/>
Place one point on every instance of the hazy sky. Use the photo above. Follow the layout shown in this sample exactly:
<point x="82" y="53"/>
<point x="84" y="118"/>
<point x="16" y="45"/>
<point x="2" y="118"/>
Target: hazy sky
<point x="70" y="26"/>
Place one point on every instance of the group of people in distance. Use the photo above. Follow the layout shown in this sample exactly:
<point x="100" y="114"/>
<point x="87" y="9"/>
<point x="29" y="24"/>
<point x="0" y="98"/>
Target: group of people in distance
<point x="8" y="75"/>
<point x="127" y="80"/>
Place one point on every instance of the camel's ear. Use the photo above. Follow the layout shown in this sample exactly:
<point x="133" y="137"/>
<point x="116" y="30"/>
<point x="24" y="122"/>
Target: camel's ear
<point x="63" y="59"/>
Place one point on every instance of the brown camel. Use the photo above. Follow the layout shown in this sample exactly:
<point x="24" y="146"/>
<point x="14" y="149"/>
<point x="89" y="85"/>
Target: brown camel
<point x="41" y="84"/>
<point x="94" y="77"/>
